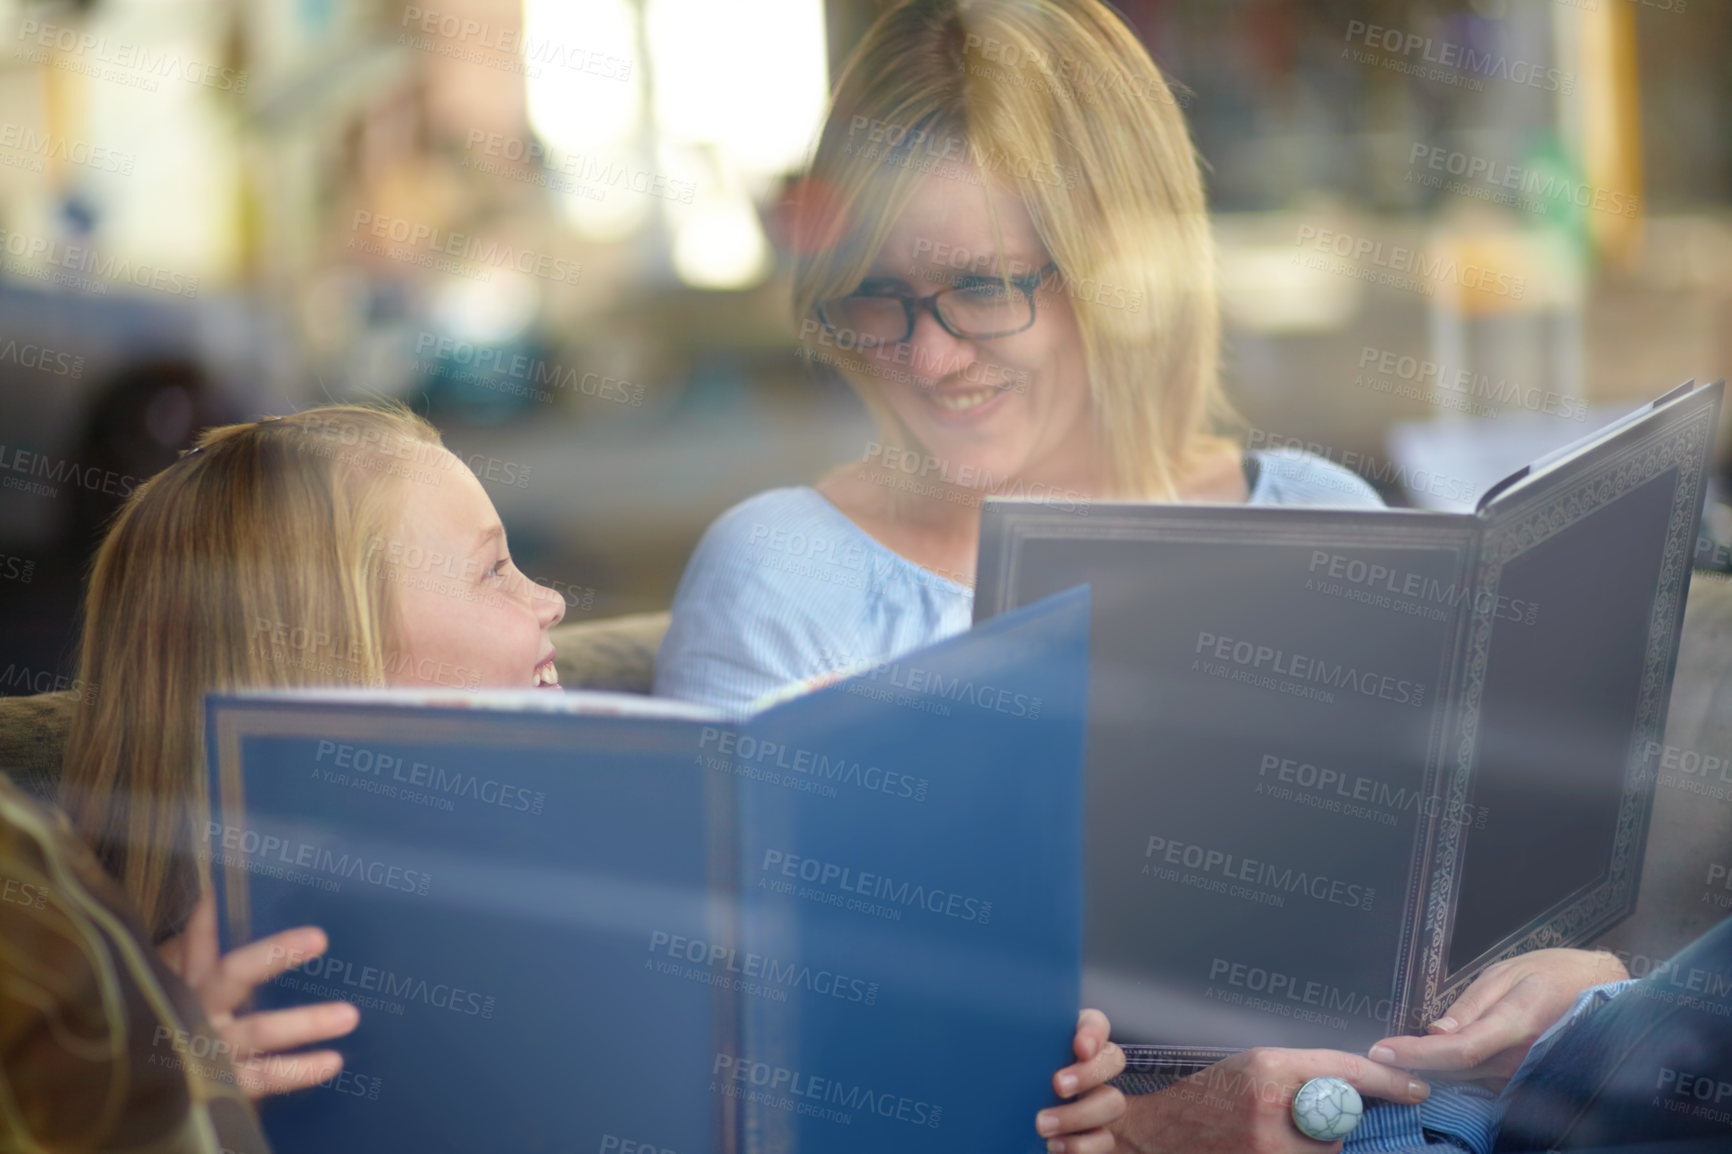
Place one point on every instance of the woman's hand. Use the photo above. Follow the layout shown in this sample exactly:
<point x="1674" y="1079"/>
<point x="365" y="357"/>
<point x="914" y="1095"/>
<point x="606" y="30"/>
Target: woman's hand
<point x="254" y="1040"/>
<point x="1080" y="1127"/>
<point x="1244" y="1104"/>
<point x="1491" y="1027"/>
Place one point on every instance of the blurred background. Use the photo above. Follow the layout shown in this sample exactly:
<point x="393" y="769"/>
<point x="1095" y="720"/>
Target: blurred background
<point x="1454" y="234"/>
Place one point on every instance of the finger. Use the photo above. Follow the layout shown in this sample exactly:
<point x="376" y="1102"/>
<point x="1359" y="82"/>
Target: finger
<point x="1371" y="1079"/>
<point x="173" y="954"/>
<point x="1101" y="1106"/>
<point x="1485" y="992"/>
<point x="199" y="942"/>
<point x="281" y="1073"/>
<point x="240" y="971"/>
<point x="286" y="1029"/>
<point x="1092" y="1029"/>
<point x="1090" y="1142"/>
<point x="1509" y="1023"/>
<point x="1081" y="1077"/>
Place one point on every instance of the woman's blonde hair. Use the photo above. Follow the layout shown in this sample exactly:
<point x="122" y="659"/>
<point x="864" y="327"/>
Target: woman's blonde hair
<point x="1057" y="100"/>
<point x="252" y="562"/>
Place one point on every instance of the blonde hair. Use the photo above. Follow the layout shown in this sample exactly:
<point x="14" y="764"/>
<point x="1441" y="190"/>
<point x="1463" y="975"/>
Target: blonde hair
<point x="1059" y="101"/>
<point x="213" y="577"/>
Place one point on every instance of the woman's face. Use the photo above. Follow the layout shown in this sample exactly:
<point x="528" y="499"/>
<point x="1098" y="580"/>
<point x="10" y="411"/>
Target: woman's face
<point x="469" y="618"/>
<point x="987" y="410"/>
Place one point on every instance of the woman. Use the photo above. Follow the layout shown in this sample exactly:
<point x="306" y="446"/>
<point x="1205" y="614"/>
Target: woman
<point x="341" y="546"/>
<point x="1006" y="251"/>
<point x="1071" y="354"/>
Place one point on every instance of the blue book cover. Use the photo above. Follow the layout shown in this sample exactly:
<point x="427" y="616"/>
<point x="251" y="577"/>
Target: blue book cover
<point x="849" y="922"/>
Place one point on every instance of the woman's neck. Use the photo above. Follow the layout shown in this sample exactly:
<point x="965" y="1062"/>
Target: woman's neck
<point x="936" y="524"/>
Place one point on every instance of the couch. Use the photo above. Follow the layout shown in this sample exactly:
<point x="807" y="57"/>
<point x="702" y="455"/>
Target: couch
<point x="1690" y="830"/>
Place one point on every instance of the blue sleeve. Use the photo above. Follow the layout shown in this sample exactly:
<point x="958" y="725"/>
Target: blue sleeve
<point x="748" y="619"/>
<point x="1586" y="1003"/>
<point x="1292" y="477"/>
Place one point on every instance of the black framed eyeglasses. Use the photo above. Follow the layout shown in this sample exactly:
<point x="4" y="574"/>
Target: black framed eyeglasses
<point x="976" y="308"/>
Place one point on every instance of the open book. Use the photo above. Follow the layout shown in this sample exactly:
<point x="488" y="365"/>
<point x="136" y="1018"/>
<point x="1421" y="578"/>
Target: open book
<point x="591" y="922"/>
<point x="1339" y="761"/>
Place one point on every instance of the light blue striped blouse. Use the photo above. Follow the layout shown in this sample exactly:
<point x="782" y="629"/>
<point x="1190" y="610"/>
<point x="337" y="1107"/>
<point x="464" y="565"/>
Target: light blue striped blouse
<point x="785" y="590"/>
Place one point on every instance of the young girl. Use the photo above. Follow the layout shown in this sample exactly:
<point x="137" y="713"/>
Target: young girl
<point x="338" y="546"/>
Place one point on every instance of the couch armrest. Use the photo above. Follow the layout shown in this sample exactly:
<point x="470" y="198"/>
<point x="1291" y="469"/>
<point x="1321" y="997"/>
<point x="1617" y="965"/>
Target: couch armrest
<point x="616" y="653"/>
<point x="32" y="736"/>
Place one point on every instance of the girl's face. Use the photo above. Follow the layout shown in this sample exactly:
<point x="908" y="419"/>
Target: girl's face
<point x="987" y="410"/>
<point x="469" y="618"/>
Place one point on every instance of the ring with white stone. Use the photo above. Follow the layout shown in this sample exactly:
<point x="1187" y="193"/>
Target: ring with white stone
<point x="1327" y="1109"/>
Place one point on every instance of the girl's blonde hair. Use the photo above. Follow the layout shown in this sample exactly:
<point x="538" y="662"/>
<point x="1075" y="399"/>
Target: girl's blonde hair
<point x="252" y="562"/>
<point x="1057" y="100"/>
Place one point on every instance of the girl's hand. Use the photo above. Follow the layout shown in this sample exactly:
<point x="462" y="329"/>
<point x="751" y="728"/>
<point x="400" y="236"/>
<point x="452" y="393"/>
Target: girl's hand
<point x="1080" y="1127"/>
<point x="253" y="1041"/>
<point x="1492" y="1026"/>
